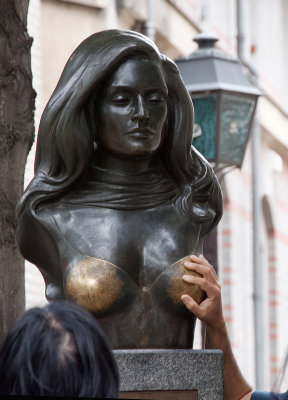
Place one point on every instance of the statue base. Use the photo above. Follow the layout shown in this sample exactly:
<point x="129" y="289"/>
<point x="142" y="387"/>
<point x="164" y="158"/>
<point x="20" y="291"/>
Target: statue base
<point x="170" y="374"/>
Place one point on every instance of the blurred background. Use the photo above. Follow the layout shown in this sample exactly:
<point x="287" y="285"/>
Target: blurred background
<point x="252" y="237"/>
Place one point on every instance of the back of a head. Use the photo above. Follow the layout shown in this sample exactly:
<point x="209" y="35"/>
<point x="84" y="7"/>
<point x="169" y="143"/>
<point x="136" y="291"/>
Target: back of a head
<point x="57" y="350"/>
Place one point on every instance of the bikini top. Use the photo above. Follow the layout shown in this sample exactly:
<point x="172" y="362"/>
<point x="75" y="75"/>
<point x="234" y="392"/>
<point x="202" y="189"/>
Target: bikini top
<point x="104" y="288"/>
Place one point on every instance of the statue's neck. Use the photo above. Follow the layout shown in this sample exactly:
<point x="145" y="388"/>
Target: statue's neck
<point x="127" y="165"/>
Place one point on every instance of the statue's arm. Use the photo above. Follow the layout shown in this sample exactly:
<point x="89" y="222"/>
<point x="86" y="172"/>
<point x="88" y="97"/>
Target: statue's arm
<point x="37" y="246"/>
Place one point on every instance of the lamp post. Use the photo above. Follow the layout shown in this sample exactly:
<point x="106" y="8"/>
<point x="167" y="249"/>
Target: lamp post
<point x="224" y="102"/>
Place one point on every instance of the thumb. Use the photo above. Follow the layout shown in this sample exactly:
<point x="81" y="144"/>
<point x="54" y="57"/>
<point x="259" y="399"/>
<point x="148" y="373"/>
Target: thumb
<point x="190" y="304"/>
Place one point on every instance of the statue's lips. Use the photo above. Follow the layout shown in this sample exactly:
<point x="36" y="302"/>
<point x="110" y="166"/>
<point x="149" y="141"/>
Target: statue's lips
<point x="140" y="133"/>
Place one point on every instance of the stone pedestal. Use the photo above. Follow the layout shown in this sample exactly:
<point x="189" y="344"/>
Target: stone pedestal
<point x="171" y="374"/>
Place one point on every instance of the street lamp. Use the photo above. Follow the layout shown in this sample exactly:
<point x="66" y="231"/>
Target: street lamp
<point x="224" y="102"/>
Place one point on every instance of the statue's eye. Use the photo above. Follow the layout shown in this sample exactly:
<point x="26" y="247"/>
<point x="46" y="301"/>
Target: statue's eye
<point x="121" y="99"/>
<point x="156" y="98"/>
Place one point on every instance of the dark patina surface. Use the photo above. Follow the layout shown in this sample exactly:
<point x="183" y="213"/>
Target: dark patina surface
<point x="120" y="197"/>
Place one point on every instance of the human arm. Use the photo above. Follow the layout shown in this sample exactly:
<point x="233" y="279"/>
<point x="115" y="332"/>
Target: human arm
<point x="210" y="311"/>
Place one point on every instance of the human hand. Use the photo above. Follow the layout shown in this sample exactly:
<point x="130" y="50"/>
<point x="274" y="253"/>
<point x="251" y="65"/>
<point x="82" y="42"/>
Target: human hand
<point x="210" y="309"/>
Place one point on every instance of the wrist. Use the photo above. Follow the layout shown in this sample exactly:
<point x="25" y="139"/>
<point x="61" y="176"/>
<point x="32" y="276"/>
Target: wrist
<point x="217" y="326"/>
<point x="217" y="335"/>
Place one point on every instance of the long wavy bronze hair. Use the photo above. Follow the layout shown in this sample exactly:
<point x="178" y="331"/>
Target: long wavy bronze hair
<point x="68" y="129"/>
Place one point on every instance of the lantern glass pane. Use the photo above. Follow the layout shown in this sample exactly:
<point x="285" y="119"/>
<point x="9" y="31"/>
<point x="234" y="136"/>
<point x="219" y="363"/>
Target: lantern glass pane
<point x="236" y="114"/>
<point x="204" y="137"/>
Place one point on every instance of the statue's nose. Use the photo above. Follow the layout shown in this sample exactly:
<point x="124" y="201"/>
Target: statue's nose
<point x="140" y="110"/>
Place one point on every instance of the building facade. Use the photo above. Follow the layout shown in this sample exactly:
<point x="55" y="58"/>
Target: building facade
<point x="58" y="26"/>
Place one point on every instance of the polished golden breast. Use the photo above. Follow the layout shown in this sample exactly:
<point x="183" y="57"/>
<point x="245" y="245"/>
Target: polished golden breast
<point x="101" y="286"/>
<point x="94" y="284"/>
<point x="177" y="287"/>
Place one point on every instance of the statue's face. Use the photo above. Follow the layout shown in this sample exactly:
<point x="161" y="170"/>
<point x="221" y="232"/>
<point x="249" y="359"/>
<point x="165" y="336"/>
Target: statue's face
<point x="132" y="109"/>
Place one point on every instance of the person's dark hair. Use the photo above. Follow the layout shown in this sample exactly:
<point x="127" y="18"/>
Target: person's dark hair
<point x="57" y="350"/>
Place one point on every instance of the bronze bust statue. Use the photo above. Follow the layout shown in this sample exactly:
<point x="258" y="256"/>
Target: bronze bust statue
<point x="119" y="195"/>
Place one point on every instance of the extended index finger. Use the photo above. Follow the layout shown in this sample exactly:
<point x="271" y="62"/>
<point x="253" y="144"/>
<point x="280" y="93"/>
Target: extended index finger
<point x="202" y="266"/>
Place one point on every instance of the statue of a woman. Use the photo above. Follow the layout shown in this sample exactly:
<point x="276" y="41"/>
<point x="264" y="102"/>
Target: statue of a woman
<point x="119" y="194"/>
